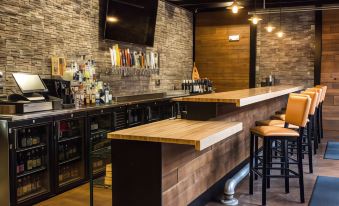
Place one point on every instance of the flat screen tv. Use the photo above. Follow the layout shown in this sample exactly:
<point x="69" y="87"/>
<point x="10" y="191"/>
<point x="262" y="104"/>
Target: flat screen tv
<point x="131" y="21"/>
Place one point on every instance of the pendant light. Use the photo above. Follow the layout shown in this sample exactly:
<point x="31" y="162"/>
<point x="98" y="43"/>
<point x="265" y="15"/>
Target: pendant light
<point x="280" y="33"/>
<point x="269" y="28"/>
<point x="235" y="7"/>
<point x="255" y="19"/>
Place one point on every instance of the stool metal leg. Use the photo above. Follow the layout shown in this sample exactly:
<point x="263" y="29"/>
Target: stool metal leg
<point x="251" y="164"/>
<point x="269" y="160"/>
<point x="264" y="173"/>
<point x="300" y="167"/>
<point x="309" y="149"/>
<point x="256" y="153"/>
<point x="286" y="166"/>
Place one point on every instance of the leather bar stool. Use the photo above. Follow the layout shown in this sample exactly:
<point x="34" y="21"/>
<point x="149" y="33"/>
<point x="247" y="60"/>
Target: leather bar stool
<point x="307" y="142"/>
<point x="324" y="88"/>
<point x="297" y="111"/>
<point x="317" y="133"/>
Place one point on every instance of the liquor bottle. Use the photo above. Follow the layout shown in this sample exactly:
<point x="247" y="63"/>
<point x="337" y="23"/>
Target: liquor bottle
<point x="66" y="152"/>
<point x="23" y="139"/>
<point x="34" y="140"/>
<point x="61" y="153"/>
<point x="29" y="138"/>
<point x="29" y="185"/>
<point x="24" y="186"/>
<point x="19" y="188"/>
<point x="21" y="164"/>
<point x="38" y="183"/>
<point x="33" y="159"/>
<point x="33" y="183"/>
<point x="29" y="163"/>
<point x="38" y="160"/>
<point x="61" y="175"/>
<point x="18" y="168"/>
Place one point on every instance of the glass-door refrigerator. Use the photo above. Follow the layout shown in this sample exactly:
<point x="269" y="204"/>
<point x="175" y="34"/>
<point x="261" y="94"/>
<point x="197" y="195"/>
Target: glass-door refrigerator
<point x="70" y="151"/>
<point x="99" y="124"/>
<point x="30" y="165"/>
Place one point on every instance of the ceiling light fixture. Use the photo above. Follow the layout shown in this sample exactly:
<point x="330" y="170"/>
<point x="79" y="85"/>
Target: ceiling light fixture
<point x="235" y="7"/>
<point x="112" y="19"/>
<point x="255" y="19"/>
<point x="269" y="28"/>
<point x="280" y="33"/>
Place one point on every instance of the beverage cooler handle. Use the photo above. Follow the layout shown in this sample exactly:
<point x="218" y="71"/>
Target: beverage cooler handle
<point x="129" y="114"/>
<point x="114" y="120"/>
<point x="15" y="139"/>
<point x="149" y="116"/>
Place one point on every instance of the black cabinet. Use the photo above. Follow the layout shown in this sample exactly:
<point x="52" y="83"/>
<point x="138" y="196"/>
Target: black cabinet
<point x="30" y="161"/>
<point x="69" y="147"/>
<point x="99" y="124"/>
<point x="53" y="154"/>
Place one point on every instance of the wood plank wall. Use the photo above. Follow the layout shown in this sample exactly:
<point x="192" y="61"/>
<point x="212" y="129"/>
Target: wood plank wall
<point x="225" y="63"/>
<point x="188" y="173"/>
<point x="330" y="72"/>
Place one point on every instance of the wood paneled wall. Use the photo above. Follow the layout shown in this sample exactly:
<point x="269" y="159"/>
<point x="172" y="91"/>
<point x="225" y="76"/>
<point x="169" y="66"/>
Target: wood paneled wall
<point x="188" y="173"/>
<point x="330" y="71"/>
<point x="225" y="63"/>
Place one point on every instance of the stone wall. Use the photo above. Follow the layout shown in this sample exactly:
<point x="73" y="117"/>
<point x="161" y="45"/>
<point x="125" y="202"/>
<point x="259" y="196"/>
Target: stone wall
<point x="31" y="31"/>
<point x="291" y="58"/>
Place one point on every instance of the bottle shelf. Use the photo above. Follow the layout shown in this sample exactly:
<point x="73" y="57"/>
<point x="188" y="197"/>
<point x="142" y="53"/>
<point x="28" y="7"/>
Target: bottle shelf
<point x="69" y="139"/>
<point x="40" y="192"/>
<point x="70" y="160"/>
<point x="70" y="181"/>
<point x="99" y="131"/>
<point x="30" y="172"/>
<point x="30" y="148"/>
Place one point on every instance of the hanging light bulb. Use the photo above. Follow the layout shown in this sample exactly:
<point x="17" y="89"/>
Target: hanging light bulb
<point x="235" y="6"/>
<point x="255" y="19"/>
<point x="280" y="34"/>
<point x="269" y="28"/>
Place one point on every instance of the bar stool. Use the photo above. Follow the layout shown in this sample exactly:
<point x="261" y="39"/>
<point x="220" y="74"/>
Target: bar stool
<point x="307" y="142"/>
<point x="297" y="111"/>
<point x="324" y="88"/>
<point x="317" y="134"/>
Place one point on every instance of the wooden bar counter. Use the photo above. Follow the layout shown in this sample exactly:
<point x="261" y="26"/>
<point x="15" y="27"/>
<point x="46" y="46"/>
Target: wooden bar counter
<point x="176" y="162"/>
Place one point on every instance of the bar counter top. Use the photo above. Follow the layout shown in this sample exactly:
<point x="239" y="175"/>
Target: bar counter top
<point x="200" y="134"/>
<point x="244" y="97"/>
<point x="19" y="117"/>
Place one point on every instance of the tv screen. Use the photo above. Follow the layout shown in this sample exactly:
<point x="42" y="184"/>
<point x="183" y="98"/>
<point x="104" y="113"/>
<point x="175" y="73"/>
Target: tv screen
<point x="131" y="21"/>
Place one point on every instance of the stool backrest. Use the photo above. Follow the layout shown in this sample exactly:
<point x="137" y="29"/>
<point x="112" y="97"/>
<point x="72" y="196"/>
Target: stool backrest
<point x="298" y="108"/>
<point x="324" y="88"/>
<point x="314" y="99"/>
<point x="319" y="91"/>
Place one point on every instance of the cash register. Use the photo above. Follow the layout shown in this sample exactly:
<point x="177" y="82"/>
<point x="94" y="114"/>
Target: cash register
<point x="32" y="98"/>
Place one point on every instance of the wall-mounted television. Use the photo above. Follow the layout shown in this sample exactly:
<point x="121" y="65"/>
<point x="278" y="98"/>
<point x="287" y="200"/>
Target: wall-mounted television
<point x="131" y="21"/>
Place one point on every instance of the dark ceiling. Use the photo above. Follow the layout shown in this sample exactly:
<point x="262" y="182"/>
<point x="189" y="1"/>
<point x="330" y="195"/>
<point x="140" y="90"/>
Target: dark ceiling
<point x="250" y="4"/>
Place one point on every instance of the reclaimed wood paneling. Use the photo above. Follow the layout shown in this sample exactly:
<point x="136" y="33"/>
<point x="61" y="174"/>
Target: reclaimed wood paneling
<point x="188" y="173"/>
<point x="330" y="72"/>
<point x="225" y="63"/>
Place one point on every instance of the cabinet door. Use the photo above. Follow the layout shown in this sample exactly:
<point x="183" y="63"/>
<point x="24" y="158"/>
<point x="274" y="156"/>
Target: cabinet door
<point x="30" y="163"/>
<point x="69" y="152"/>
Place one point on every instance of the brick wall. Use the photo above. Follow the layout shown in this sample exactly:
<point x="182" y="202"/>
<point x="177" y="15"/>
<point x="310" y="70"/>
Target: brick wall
<point x="291" y="58"/>
<point x="31" y="31"/>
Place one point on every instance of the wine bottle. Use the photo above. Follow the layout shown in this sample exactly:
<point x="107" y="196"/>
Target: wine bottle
<point x="29" y="138"/>
<point x="29" y="162"/>
<point x="38" y="160"/>
<point x="33" y="159"/>
<point x="22" y="135"/>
